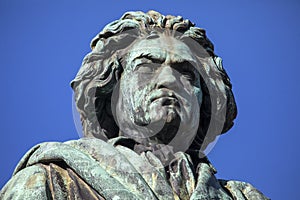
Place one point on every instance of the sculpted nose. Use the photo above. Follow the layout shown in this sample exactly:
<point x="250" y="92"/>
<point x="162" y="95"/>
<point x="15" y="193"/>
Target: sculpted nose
<point x="166" y="78"/>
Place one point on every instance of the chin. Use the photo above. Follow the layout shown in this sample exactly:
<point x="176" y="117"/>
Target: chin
<point x="165" y="113"/>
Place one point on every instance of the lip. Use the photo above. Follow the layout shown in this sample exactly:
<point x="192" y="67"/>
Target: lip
<point x="166" y="97"/>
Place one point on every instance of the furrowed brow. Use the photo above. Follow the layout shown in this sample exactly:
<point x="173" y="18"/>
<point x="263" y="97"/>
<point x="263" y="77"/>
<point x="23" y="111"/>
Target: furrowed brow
<point x="151" y="57"/>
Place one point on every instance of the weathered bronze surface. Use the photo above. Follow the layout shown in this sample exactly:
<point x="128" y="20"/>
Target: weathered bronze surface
<point x="152" y="95"/>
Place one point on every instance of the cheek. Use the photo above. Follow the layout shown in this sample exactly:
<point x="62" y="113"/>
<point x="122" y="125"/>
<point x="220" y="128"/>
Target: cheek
<point x="191" y="89"/>
<point x="199" y="95"/>
<point x="134" y="90"/>
<point x="187" y="86"/>
<point x="193" y="96"/>
<point x="137" y="81"/>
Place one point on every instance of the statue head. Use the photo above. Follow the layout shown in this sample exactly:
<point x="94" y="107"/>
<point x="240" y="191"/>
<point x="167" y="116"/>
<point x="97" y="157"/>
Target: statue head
<point x="154" y="78"/>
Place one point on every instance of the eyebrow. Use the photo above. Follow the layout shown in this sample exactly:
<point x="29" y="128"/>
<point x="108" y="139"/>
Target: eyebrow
<point x="158" y="60"/>
<point x="149" y="56"/>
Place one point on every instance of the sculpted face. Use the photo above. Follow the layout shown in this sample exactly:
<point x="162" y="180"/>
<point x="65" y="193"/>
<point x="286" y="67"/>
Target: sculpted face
<point x="160" y="91"/>
<point x="147" y="86"/>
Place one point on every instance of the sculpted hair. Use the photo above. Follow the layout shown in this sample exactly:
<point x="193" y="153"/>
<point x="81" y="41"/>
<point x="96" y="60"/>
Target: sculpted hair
<point x="102" y="68"/>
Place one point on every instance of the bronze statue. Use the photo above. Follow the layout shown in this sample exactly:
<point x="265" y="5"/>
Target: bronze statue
<point x="152" y="96"/>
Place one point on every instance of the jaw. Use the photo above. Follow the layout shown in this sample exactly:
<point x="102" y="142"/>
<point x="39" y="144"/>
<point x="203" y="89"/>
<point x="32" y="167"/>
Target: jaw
<point x="168" y="131"/>
<point x="157" y="119"/>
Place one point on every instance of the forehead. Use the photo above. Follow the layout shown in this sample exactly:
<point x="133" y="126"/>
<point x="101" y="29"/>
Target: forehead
<point x="165" y="48"/>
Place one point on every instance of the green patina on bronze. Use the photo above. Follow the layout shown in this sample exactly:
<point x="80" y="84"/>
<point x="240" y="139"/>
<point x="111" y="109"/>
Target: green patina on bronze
<point x="90" y="168"/>
<point x="147" y="73"/>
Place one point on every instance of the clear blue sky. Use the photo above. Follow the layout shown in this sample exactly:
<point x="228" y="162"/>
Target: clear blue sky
<point x="42" y="44"/>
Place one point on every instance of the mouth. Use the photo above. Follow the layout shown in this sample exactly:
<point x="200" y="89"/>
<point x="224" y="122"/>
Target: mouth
<point x="165" y="97"/>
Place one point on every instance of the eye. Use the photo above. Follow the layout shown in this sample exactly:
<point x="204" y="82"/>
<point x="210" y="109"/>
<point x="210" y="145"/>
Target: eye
<point x="186" y="69"/>
<point x="145" y="68"/>
<point x="145" y="65"/>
